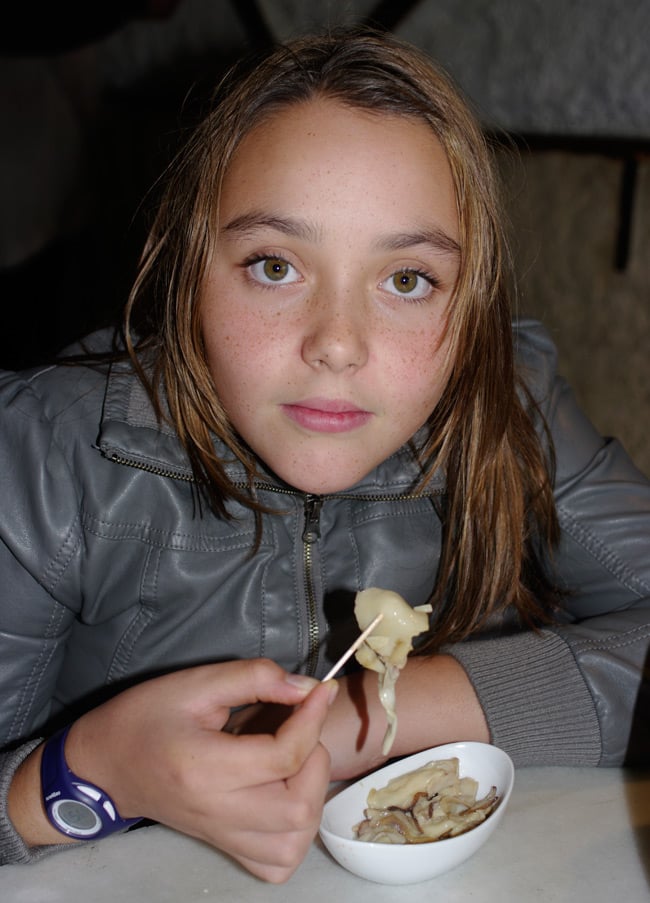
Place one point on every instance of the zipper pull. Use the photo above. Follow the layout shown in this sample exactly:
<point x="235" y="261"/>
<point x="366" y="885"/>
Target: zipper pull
<point x="311" y="532"/>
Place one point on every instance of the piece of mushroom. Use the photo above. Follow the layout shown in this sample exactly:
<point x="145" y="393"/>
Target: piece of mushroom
<point x="387" y="647"/>
<point x="428" y="804"/>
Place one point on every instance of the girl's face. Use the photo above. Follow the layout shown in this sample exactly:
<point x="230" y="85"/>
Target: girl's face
<point x="325" y="304"/>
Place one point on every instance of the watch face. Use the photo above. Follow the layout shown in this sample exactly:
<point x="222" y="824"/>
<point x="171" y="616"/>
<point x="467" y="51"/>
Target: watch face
<point x="76" y="818"/>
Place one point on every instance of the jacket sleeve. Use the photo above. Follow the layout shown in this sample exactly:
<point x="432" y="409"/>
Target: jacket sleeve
<point x="575" y="694"/>
<point x="12" y="847"/>
<point x="39" y="538"/>
<point x="34" y="548"/>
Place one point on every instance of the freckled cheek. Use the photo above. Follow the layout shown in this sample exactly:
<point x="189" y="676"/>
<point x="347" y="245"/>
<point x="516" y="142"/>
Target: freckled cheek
<point x="238" y="337"/>
<point x="418" y="353"/>
<point x="242" y="352"/>
<point x="417" y="371"/>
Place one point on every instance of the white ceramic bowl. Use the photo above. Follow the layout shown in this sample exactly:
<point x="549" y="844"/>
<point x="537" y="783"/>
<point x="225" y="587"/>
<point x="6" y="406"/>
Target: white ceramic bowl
<point x="409" y="863"/>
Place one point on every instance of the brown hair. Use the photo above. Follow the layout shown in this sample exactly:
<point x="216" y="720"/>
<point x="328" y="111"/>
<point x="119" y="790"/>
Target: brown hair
<point x="499" y="516"/>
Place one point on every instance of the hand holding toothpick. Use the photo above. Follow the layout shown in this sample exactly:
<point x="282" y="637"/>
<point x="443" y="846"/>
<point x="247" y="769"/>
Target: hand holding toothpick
<point x="353" y="648"/>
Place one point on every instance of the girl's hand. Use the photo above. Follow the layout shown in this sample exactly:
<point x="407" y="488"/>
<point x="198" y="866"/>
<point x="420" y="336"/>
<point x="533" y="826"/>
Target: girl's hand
<point x="159" y="750"/>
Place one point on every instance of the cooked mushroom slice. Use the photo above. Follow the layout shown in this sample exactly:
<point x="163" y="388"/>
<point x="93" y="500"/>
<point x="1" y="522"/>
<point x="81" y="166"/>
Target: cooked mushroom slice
<point x="388" y="646"/>
<point x="432" y="780"/>
<point x="389" y="826"/>
<point x="424" y="805"/>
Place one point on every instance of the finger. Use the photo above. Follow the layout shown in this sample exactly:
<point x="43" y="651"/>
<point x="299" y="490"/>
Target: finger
<point x="288" y="805"/>
<point x="239" y="683"/>
<point x="274" y="871"/>
<point x="275" y="857"/>
<point x="312" y="781"/>
<point x="298" y="735"/>
<point x="248" y="760"/>
<point x="284" y="828"/>
<point x="306" y="721"/>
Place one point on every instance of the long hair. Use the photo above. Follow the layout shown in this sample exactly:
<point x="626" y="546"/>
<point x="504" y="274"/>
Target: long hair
<point x="498" y="516"/>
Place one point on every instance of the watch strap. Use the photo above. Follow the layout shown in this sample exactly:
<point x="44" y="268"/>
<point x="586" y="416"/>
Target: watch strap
<point x="64" y="791"/>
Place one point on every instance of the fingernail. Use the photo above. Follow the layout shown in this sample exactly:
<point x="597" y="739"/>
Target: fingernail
<point x="333" y="687"/>
<point x="302" y="682"/>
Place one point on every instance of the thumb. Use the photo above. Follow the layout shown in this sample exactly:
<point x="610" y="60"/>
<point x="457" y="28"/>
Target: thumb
<point x="304" y="726"/>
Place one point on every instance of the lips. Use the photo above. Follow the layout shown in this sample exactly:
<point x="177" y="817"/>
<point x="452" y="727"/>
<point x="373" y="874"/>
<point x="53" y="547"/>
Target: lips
<point x="327" y="415"/>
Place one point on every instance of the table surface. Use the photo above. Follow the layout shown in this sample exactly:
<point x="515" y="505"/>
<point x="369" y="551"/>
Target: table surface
<point x="570" y="834"/>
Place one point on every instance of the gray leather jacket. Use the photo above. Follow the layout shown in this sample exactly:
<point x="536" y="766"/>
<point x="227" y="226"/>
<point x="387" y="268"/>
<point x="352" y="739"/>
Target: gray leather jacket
<point x="110" y="572"/>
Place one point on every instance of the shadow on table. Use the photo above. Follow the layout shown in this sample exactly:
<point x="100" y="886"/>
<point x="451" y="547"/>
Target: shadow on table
<point x="637" y="776"/>
<point x="637" y="793"/>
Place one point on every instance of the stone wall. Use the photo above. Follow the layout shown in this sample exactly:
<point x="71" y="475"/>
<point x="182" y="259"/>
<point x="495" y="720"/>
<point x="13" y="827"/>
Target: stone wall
<point x="554" y="66"/>
<point x="565" y="220"/>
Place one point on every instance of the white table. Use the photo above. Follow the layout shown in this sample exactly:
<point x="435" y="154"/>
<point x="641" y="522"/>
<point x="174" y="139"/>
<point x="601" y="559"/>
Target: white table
<point x="568" y="835"/>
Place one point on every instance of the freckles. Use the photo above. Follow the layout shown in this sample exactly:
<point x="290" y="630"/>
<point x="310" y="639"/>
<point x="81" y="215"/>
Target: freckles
<point x="410" y="352"/>
<point x="243" y="336"/>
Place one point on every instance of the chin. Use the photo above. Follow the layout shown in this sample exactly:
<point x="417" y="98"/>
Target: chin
<point x="317" y="471"/>
<point x="328" y="485"/>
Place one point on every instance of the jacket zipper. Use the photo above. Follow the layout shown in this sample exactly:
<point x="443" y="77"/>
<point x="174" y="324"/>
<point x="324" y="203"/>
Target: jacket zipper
<point x="312" y="506"/>
<point x="310" y="536"/>
<point x="150" y="468"/>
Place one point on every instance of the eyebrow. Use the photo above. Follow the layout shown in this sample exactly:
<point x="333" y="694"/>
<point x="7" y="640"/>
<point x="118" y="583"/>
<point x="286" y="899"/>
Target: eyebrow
<point x="438" y="239"/>
<point x="297" y="227"/>
<point x="287" y="225"/>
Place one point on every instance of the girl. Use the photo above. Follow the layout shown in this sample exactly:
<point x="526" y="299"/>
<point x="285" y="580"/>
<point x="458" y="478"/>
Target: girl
<point x="319" y="389"/>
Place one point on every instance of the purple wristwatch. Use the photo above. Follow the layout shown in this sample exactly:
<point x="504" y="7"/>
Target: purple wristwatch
<point x="75" y="806"/>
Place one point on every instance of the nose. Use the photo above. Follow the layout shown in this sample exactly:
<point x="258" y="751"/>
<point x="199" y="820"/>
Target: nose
<point x="336" y="336"/>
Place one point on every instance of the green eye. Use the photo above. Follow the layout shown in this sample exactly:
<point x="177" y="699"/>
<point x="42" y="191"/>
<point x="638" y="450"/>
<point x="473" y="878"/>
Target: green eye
<point x="405" y="281"/>
<point x="272" y="271"/>
<point x="275" y="269"/>
<point x="410" y="284"/>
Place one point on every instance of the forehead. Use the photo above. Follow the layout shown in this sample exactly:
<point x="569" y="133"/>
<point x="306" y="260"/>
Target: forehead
<point x="322" y="156"/>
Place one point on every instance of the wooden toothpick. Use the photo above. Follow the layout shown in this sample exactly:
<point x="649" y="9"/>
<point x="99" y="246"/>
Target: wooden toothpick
<point x="353" y="648"/>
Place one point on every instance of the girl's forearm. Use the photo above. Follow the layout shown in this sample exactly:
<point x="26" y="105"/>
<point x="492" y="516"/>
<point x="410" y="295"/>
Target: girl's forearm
<point x="436" y="704"/>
